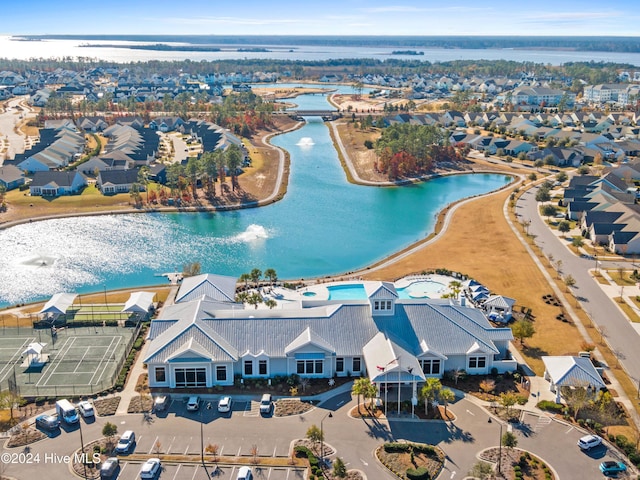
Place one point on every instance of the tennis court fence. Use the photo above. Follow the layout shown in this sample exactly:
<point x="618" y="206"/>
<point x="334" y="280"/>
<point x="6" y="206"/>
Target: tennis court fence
<point x="20" y="383"/>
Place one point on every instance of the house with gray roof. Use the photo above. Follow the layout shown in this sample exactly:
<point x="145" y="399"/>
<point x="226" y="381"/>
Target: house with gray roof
<point x="206" y="339"/>
<point x="11" y="177"/>
<point x="117" y="181"/>
<point x="55" y="183"/>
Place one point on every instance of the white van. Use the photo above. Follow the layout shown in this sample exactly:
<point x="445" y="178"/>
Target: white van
<point x="67" y="412"/>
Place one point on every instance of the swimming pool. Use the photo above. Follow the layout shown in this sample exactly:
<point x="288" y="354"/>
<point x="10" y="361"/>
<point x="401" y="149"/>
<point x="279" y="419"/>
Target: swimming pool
<point x="353" y="291"/>
<point x="422" y="289"/>
<point x="309" y="294"/>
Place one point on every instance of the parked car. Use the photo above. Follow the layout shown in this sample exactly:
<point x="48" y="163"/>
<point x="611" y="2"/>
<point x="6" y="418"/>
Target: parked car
<point x="224" y="405"/>
<point x="244" y="473"/>
<point x="266" y="403"/>
<point x="150" y="468"/>
<point x="193" y="403"/>
<point x="109" y="468"/>
<point x="612" y="468"/>
<point x="48" y="422"/>
<point x="86" y="409"/>
<point x="589" y="441"/>
<point x="161" y="403"/>
<point x="126" y="442"/>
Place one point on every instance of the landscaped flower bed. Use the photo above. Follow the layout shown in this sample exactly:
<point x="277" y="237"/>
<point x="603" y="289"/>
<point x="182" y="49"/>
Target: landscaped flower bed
<point x="517" y="464"/>
<point x="411" y="461"/>
<point x="25" y="436"/>
<point x="286" y="407"/>
<point x="106" y="406"/>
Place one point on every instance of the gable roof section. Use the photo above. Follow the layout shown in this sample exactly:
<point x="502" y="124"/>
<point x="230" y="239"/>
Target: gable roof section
<point x="216" y="287"/>
<point x="386" y="359"/>
<point x="380" y="290"/>
<point x="181" y="336"/>
<point x="572" y="371"/>
<point x="307" y="337"/>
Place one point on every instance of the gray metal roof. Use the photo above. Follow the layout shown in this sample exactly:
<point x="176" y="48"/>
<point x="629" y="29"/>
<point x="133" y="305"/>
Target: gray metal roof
<point x="418" y="326"/>
<point x="217" y="287"/>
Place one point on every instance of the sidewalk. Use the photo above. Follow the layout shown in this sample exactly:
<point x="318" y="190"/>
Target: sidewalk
<point x="137" y="369"/>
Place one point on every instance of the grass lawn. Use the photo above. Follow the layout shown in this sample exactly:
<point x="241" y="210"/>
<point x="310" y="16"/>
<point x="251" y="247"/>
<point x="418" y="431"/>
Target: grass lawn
<point x="600" y="279"/>
<point x="626" y="308"/>
<point x="622" y="278"/>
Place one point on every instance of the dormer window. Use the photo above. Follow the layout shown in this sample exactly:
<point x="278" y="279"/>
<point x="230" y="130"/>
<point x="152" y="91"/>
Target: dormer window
<point x="383" y="306"/>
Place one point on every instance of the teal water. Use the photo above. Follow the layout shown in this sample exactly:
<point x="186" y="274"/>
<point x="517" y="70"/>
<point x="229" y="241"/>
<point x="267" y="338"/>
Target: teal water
<point x="347" y="292"/>
<point x="323" y="226"/>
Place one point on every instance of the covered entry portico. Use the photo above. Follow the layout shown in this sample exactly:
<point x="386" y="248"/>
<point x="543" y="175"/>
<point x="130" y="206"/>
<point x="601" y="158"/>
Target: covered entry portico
<point x="390" y="364"/>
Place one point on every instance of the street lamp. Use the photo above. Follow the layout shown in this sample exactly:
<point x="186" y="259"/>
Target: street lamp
<point x="208" y="407"/>
<point x="499" y="445"/>
<point x="84" y="460"/>
<point x="330" y="415"/>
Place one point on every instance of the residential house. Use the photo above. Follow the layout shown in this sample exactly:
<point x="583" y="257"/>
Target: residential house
<point x="92" y="124"/>
<point x="11" y="177"/>
<point x="117" y="181"/>
<point x="55" y="184"/>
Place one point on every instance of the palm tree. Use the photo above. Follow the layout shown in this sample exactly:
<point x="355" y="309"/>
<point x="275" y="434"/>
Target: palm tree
<point x="245" y="277"/>
<point x="360" y="387"/>
<point x="254" y="299"/>
<point x="429" y="391"/>
<point x="447" y="396"/>
<point x="255" y="275"/>
<point x="271" y="275"/>
<point x="455" y="287"/>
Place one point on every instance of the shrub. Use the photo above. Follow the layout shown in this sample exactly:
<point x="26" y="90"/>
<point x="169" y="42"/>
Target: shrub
<point x="550" y="406"/>
<point x="420" y="473"/>
<point x="397" y="447"/>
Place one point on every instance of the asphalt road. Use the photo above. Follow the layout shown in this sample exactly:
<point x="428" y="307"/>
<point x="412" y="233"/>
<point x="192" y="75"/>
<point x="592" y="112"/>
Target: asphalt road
<point x="621" y="336"/>
<point x="355" y="441"/>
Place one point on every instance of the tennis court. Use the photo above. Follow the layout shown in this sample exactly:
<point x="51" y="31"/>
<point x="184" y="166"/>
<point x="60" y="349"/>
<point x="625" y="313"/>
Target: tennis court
<point x="80" y="360"/>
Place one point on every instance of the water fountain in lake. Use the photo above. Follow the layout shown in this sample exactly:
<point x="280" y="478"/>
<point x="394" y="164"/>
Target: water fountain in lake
<point x="305" y="142"/>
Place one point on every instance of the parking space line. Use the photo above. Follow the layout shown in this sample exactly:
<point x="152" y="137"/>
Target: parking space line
<point x="171" y="444"/>
<point x="239" y="451"/>
<point x="274" y="450"/>
<point x="153" y="445"/>
<point x="187" y="449"/>
<point x="177" y="471"/>
<point x="195" y="472"/>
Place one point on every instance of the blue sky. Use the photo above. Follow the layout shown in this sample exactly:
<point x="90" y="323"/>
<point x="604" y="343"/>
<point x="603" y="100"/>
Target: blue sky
<point x="329" y="17"/>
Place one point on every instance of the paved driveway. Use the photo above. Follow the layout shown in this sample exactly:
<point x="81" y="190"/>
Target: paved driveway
<point x="354" y="439"/>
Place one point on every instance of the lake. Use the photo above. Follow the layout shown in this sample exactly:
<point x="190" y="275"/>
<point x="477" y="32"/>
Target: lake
<point x="323" y="226"/>
<point x="61" y="48"/>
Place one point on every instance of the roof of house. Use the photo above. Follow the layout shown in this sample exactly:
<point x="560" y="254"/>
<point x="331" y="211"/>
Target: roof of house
<point x="10" y="173"/>
<point x="61" y="179"/>
<point x="572" y="372"/>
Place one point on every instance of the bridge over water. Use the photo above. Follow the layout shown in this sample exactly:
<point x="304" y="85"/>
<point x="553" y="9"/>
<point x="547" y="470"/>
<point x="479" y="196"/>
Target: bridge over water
<point x="298" y="114"/>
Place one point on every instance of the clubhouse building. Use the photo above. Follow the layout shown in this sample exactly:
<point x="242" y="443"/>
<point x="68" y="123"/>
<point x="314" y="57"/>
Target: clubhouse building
<point x="206" y="339"/>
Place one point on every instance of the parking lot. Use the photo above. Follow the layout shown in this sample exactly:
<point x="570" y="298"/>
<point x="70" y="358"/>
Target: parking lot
<point x="236" y="442"/>
<point x="131" y="470"/>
